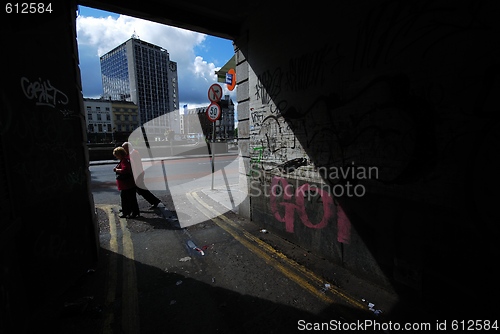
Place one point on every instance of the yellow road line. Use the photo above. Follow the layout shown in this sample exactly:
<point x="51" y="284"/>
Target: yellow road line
<point x="130" y="306"/>
<point x="263" y="250"/>
<point x="112" y="278"/>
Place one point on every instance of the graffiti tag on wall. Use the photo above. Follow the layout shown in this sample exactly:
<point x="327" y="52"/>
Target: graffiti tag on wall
<point x="43" y="93"/>
<point x="294" y="203"/>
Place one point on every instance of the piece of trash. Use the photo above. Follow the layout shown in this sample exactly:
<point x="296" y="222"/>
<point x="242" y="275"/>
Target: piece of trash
<point x="326" y="287"/>
<point x="172" y="302"/>
<point x="184" y="259"/>
<point x="196" y="248"/>
<point x="263" y="230"/>
<point x="179" y="282"/>
<point x="213" y="279"/>
<point x="371" y="307"/>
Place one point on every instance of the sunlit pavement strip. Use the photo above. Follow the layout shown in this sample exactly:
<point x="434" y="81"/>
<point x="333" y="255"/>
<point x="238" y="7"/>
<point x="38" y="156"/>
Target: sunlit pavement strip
<point x="130" y="307"/>
<point x="305" y="278"/>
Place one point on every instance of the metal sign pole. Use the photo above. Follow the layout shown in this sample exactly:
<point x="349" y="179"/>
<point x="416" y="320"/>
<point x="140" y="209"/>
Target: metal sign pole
<point x="213" y="154"/>
<point x="213" y="113"/>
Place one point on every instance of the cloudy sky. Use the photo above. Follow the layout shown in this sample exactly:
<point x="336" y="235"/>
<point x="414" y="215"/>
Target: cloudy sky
<point x="198" y="56"/>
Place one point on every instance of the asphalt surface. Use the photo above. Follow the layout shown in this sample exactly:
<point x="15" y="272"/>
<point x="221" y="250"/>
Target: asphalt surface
<point x="226" y="274"/>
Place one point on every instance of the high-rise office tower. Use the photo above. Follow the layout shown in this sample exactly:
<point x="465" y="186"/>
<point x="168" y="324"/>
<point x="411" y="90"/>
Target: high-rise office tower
<point x="143" y="73"/>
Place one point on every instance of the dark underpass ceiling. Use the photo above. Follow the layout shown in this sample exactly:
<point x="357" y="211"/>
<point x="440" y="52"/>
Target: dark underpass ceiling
<point x="221" y="19"/>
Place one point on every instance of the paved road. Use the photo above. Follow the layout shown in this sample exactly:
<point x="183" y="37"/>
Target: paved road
<point x="172" y="179"/>
<point x="165" y="177"/>
<point x="221" y="275"/>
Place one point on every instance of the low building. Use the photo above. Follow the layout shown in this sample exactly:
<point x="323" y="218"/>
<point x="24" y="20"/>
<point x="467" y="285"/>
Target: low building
<point x="99" y="121"/>
<point x="109" y="120"/>
<point x="195" y="121"/>
<point x="125" y="117"/>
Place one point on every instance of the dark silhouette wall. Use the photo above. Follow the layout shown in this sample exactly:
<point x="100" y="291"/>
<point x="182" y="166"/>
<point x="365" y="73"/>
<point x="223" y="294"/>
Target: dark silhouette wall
<point x="404" y="89"/>
<point x="47" y="225"/>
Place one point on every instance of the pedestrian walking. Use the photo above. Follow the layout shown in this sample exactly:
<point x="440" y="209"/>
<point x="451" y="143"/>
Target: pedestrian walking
<point x="126" y="185"/>
<point x="135" y="160"/>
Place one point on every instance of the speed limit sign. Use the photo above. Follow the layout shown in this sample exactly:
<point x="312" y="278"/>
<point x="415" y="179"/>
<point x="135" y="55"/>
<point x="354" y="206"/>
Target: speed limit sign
<point x="213" y="112"/>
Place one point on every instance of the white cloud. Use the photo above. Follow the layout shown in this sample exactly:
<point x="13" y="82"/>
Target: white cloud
<point x="203" y="69"/>
<point x="107" y="33"/>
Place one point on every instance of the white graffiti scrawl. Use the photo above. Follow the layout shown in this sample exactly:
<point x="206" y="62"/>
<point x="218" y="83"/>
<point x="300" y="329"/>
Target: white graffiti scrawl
<point x="43" y="93"/>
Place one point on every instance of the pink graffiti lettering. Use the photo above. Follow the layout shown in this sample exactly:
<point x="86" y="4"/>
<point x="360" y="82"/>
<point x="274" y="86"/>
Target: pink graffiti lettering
<point x="343" y="226"/>
<point x="288" y="219"/>
<point x="298" y="206"/>
<point x="301" y="210"/>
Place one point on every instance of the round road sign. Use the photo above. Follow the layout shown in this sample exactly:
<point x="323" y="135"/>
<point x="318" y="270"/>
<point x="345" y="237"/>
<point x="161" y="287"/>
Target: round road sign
<point x="213" y="112"/>
<point x="233" y="79"/>
<point x="215" y="93"/>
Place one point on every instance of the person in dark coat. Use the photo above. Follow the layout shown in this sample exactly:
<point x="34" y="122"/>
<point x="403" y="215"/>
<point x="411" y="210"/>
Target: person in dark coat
<point x="136" y="162"/>
<point x="126" y="185"/>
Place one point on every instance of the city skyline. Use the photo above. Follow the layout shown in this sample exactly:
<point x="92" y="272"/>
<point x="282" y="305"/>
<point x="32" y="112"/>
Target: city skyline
<point x="198" y="55"/>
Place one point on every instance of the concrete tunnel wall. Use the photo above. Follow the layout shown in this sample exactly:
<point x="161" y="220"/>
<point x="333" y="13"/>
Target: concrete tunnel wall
<point x="48" y="232"/>
<point x="394" y="102"/>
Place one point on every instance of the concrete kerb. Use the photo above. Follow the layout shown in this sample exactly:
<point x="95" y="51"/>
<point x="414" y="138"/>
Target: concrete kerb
<point x="229" y="198"/>
<point x="110" y="162"/>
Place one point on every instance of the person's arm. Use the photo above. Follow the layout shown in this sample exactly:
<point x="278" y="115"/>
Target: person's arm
<point x="126" y="167"/>
<point x="123" y="167"/>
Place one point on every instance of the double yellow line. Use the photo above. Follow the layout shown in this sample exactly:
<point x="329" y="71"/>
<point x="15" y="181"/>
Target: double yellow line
<point x="130" y="303"/>
<point x="305" y="278"/>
